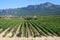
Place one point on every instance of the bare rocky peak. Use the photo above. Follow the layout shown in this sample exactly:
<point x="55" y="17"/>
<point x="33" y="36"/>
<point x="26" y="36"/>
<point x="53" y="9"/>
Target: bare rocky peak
<point x="48" y="4"/>
<point x="44" y="5"/>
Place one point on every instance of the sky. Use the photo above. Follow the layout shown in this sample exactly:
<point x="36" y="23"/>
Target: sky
<point x="6" y="4"/>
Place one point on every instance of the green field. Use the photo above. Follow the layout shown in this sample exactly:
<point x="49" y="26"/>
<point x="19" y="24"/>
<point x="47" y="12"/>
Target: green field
<point x="35" y="27"/>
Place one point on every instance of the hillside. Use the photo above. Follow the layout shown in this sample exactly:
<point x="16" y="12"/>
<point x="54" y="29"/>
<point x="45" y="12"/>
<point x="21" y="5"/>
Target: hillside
<point x="41" y="9"/>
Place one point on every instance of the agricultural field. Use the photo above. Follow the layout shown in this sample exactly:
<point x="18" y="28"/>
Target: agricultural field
<point x="42" y="26"/>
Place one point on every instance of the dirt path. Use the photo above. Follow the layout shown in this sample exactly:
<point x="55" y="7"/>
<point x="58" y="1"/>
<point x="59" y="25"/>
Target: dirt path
<point x="4" y="32"/>
<point x="17" y="30"/>
<point x="10" y="33"/>
<point x="30" y="38"/>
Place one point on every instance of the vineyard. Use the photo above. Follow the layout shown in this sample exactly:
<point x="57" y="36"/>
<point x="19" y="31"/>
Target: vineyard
<point x="30" y="27"/>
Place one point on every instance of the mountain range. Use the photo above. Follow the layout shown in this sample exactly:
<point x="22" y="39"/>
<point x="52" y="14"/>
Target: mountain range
<point x="32" y="10"/>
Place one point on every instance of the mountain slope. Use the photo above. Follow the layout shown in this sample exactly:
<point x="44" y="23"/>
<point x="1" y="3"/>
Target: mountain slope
<point x="42" y="9"/>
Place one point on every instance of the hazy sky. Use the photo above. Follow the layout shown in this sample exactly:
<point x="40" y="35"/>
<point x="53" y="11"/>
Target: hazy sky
<point x="22" y="3"/>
